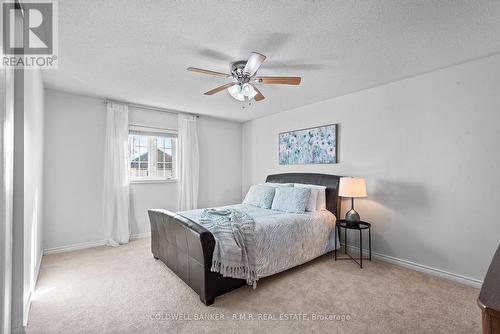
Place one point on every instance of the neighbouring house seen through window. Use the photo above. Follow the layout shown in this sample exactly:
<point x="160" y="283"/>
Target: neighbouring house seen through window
<point x="152" y="156"/>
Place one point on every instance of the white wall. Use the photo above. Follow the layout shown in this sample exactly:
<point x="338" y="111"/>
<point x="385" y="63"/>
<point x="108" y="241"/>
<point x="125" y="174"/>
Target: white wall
<point x="220" y="162"/>
<point x="33" y="180"/>
<point x="74" y="151"/>
<point x="427" y="147"/>
<point x="18" y="305"/>
<point x="6" y="194"/>
<point x="26" y="194"/>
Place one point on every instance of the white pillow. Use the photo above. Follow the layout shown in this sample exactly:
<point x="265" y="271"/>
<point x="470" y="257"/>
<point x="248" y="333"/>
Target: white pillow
<point x="261" y="196"/>
<point x="317" y="200"/>
<point x="291" y="199"/>
<point x="275" y="185"/>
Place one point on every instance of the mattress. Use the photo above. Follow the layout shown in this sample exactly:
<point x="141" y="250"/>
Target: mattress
<point x="284" y="240"/>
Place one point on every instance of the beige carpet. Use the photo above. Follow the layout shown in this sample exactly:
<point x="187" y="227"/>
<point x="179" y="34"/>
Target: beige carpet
<point x="124" y="290"/>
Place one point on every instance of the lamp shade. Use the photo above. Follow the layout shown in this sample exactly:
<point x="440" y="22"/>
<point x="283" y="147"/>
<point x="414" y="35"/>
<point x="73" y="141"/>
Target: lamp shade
<point x="352" y="187"/>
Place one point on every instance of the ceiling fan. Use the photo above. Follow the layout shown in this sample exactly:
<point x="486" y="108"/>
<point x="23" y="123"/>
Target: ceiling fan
<point x="243" y="75"/>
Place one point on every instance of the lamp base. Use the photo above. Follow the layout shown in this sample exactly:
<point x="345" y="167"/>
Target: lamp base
<point x="352" y="217"/>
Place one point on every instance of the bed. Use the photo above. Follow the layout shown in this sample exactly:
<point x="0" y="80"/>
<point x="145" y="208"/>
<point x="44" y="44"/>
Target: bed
<point x="186" y="247"/>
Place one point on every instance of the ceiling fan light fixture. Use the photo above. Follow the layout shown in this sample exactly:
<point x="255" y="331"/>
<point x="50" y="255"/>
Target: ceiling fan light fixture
<point x="252" y="95"/>
<point x="247" y="90"/>
<point x="235" y="92"/>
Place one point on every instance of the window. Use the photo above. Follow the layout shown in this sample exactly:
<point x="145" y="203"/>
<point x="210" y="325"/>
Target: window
<point x="152" y="155"/>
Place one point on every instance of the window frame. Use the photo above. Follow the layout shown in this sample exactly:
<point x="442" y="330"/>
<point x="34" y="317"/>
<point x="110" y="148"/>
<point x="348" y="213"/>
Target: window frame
<point x="152" y="134"/>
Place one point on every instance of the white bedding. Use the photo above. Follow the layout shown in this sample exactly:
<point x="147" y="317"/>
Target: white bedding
<point x="284" y="240"/>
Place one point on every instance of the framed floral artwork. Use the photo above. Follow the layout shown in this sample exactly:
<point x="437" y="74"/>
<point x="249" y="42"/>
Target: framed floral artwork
<point x="309" y="146"/>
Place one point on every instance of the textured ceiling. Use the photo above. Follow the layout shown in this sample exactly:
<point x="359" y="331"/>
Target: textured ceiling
<point x="138" y="51"/>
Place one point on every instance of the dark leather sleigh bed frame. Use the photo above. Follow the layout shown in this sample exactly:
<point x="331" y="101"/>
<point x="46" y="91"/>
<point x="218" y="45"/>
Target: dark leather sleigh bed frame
<point x="186" y="247"/>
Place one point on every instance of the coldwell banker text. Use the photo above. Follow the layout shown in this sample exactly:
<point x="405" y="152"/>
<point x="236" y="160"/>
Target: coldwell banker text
<point x="29" y="34"/>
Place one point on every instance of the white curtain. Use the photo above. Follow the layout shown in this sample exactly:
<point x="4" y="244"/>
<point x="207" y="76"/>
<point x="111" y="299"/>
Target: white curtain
<point x="188" y="163"/>
<point x="116" y="184"/>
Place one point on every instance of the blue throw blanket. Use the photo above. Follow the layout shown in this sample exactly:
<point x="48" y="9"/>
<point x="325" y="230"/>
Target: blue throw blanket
<point x="234" y="252"/>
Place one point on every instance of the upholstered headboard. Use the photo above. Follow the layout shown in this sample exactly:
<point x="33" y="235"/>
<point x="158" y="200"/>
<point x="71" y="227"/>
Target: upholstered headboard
<point x="331" y="182"/>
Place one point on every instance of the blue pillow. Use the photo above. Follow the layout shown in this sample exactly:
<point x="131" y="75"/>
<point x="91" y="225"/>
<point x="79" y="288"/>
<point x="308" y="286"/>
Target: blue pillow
<point x="291" y="199"/>
<point x="261" y="196"/>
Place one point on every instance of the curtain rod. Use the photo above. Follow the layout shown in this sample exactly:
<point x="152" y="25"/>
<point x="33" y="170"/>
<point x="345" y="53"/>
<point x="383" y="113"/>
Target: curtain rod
<point x="143" y="106"/>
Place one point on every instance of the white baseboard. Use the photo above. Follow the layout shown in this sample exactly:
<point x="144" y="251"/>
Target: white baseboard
<point x="84" y="245"/>
<point x="69" y="248"/>
<point x="378" y="256"/>
<point x="140" y="236"/>
<point x="422" y="268"/>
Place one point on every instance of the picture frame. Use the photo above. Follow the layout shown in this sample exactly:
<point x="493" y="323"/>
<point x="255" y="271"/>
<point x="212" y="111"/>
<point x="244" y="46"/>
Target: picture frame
<point x="315" y="145"/>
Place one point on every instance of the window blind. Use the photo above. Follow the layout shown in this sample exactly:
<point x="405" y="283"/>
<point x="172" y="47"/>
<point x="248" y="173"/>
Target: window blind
<point x="146" y="130"/>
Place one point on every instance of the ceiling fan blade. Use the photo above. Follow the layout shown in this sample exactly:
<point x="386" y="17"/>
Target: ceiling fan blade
<point x="279" y="80"/>
<point x="200" y="70"/>
<point x="259" y="96"/>
<point x="253" y="63"/>
<point x="220" y="88"/>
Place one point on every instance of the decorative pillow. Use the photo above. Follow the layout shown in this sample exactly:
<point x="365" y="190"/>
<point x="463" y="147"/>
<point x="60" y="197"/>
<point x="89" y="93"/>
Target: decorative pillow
<point x="261" y="196"/>
<point x="313" y="198"/>
<point x="291" y="199"/>
<point x="317" y="200"/>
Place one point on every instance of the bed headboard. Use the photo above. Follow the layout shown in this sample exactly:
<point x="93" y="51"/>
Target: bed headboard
<point x="331" y="182"/>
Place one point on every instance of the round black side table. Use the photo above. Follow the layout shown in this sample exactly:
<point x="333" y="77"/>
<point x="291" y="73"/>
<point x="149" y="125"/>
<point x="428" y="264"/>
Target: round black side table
<point x="359" y="226"/>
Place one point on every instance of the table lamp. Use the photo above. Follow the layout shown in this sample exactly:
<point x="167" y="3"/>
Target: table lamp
<point x="352" y="187"/>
